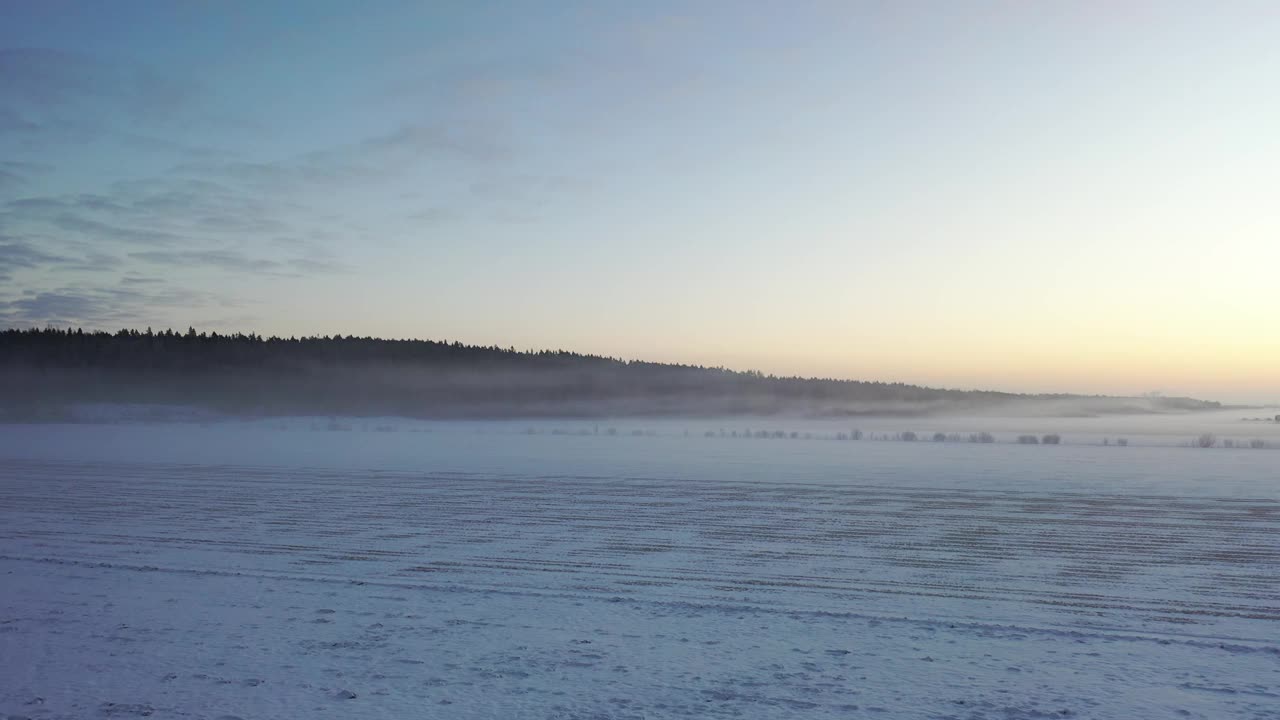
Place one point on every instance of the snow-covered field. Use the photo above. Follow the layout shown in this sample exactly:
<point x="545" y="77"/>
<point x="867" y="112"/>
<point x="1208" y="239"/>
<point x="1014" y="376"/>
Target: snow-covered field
<point x="291" y="569"/>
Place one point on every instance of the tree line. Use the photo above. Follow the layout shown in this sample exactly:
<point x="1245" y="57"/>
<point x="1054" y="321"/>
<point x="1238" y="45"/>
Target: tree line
<point x="247" y="372"/>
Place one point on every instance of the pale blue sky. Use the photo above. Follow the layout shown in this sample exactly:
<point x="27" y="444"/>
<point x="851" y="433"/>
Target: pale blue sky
<point x="1027" y="196"/>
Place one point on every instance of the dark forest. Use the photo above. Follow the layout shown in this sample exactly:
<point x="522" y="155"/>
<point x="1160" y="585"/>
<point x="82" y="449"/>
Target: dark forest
<point x="43" y="371"/>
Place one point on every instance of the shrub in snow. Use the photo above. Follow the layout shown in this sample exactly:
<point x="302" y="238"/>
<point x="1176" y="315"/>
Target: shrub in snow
<point x="909" y="437"/>
<point x="939" y="437"/>
<point x="1206" y="440"/>
<point x="1028" y="440"/>
<point x="1051" y="439"/>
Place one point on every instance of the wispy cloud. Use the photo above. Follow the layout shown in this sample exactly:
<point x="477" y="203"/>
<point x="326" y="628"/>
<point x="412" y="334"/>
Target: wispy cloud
<point x="13" y="122"/>
<point x="239" y="262"/>
<point x="141" y="280"/>
<point x="375" y="159"/>
<point x="436" y="215"/>
<point x="183" y="222"/>
<point x="16" y="254"/>
<point x="21" y="254"/>
<point x="10" y="179"/>
<point x="102" y="306"/>
<point x="15" y="174"/>
<point x="90" y="228"/>
<point x="53" y="308"/>
<point x="205" y="205"/>
<point x="47" y="89"/>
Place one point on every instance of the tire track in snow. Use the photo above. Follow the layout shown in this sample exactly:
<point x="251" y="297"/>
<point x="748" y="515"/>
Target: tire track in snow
<point x="1159" y="565"/>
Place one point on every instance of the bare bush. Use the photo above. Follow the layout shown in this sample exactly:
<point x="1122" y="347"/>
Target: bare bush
<point x="1028" y="440"/>
<point x="909" y="436"/>
<point x="1258" y="444"/>
<point x="939" y="437"/>
<point x="1122" y="442"/>
<point x="1051" y="439"/>
<point x="1206" y="440"/>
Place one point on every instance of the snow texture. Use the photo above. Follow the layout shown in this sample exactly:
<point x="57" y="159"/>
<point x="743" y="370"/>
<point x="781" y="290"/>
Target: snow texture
<point x="474" y="571"/>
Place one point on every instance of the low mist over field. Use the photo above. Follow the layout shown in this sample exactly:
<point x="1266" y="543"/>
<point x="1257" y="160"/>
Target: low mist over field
<point x="42" y="372"/>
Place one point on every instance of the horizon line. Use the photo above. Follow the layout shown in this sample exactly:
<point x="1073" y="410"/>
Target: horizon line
<point x="259" y="337"/>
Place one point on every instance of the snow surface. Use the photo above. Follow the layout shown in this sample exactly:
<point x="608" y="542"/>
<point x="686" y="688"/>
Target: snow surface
<point x="378" y="568"/>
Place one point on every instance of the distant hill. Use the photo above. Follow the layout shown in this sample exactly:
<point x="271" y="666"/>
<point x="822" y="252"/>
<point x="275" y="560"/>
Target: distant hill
<point x="44" y="370"/>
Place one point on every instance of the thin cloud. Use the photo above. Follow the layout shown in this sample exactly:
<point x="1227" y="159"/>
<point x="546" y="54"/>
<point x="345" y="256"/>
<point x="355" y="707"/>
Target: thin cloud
<point x="15" y="254"/>
<point x="52" y="307"/>
<point x="436" y="216"/>
<point x="57" y="84"/>
<point x="10" y="180"/>
<point x="77" y="223"/>
<point x="429" y="139"/>
<point x="216" y="210"/>
<point x="13" y="122"/>
<point x="220" y="259"/>
<point x="238" y="262"/>
<point x="180" y="222"/>
<point x="104" y="306"/>
<point x="20" y="254"/>
<point x="141" y="280"/>
<point x="15" y="173"/>
<point x="375" y="159"/>
<point x="29" y="168"/>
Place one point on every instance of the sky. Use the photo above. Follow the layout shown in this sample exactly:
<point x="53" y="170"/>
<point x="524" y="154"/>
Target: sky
<point x="1042" y="197"/>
